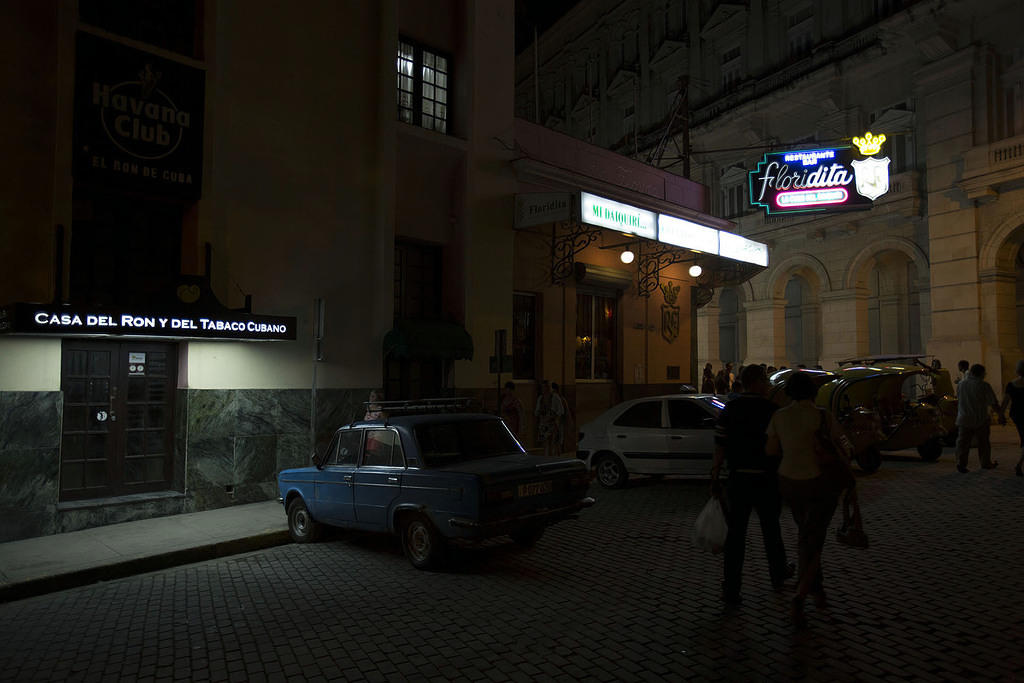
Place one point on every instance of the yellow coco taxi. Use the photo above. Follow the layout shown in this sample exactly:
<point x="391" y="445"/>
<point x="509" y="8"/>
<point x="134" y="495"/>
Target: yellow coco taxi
<point x="885" y="403"/>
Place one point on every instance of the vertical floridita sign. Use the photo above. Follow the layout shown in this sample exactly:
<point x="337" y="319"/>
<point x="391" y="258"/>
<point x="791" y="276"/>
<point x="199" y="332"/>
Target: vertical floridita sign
<point x="138" y="119"/>
<point x="821" y="180"/>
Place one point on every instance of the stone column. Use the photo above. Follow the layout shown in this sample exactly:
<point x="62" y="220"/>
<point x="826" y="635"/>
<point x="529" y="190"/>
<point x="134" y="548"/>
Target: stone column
<point x="766" y="331"/>
<point x="846" y="333"/>
<point x="944" y="88"/>
<point x="707" y="338"/>
<point x="924" y="300"/>
<point x="999" y="326"/>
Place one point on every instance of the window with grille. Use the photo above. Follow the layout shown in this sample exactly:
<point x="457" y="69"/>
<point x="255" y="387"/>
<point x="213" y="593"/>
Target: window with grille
<point x="423" y="86"/>
<point x="418" y="281"/>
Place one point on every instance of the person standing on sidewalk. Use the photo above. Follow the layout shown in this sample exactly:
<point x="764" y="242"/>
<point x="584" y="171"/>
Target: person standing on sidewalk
<point x="753" y="483"/>
<point x="1013" y="396"/>
<point x="962" y="370"/>
<point x="974" y="397"/>
<point x="812" y="498"/>
<point x="556" y="395"/>
<point x="549" y="414"/>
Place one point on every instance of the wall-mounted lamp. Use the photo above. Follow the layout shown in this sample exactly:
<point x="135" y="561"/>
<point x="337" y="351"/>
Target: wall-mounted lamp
<point x="627" y="256"/>
<point x="695" y="270"/>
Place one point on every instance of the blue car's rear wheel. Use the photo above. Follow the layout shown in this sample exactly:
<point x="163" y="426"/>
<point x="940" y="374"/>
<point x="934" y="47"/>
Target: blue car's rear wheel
<point x="301" y="525"/>
<point x="421" y="543"/>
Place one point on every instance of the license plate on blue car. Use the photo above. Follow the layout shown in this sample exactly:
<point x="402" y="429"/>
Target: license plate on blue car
<point x="534" y="488"/>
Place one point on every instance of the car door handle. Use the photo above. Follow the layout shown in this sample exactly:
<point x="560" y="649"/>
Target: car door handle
<point x="347" y="477"/>
<point x="676" y="437"/>
<point x="620" y="436"/>
<point x="393" y="480"/>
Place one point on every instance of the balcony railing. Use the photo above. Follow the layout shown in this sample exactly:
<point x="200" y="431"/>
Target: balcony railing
<point x="994" y="157"/>
<point x="988" y="166"/>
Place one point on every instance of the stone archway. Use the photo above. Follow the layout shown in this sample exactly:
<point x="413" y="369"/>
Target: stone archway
<point x="1001" y="280"/>
<point x="795" y="288"/>
<point x="893" y="273"/>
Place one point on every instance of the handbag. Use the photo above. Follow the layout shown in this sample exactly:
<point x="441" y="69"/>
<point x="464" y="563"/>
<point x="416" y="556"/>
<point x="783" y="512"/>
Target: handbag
<point x="851" y="533"/>
<point x="833" y="459"/>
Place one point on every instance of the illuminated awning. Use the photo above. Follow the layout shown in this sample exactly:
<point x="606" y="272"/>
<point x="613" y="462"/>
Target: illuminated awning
<point x="670" y="230"/>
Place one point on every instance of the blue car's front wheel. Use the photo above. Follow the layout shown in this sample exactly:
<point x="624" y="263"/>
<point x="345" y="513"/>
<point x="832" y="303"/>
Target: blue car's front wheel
<point x="301" y="525"/>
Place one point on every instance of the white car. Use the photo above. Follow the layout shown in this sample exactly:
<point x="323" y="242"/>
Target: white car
<point x="656" y="435"/>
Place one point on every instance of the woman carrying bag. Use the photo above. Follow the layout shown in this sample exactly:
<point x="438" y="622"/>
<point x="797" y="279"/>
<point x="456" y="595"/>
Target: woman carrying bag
<point x="810" y="480"/>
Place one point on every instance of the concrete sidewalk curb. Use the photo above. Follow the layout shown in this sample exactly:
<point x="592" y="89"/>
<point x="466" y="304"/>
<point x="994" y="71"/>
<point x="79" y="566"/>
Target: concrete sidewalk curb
<point x="141" y="565"/>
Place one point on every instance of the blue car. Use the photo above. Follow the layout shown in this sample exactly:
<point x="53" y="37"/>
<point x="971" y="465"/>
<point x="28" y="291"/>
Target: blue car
<point x="432" y="479"/>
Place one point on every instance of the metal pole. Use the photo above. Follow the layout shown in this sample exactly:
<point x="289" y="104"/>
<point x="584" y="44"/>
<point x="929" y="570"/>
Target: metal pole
<point x="536" y="78"/>
<point x="318" y="333"/>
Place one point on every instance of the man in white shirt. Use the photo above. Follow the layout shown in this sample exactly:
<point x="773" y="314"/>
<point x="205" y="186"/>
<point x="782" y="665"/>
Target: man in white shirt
<point x="549" y="411"/>
<point x="974" y="397"/>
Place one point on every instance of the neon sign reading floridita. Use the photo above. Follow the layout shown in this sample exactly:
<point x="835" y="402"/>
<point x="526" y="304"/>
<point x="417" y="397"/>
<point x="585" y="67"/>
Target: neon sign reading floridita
<point x="783" y="179"/>
<point x="820" y="179"/>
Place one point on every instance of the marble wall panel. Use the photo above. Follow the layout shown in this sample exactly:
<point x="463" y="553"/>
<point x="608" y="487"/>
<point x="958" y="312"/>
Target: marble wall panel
<point x="293" y="450"/>
<point x="211" y="462"/>
<point x="255" y="493"/>
<point x="28" y="491"/>
<point x="206" y="497"/>
<point x="85" y="518"/>
<point x="30" y="419"/>
<point x="272" y="411"/>
<point x="211" y="413"/>
<point x="255" y="459"/>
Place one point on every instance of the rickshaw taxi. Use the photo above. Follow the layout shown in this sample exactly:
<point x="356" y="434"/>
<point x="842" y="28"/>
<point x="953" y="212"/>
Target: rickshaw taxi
<point x="884" y="404"/>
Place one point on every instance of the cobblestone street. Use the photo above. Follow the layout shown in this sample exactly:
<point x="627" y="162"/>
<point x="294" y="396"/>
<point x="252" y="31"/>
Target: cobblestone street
<point x="618" y="595"/>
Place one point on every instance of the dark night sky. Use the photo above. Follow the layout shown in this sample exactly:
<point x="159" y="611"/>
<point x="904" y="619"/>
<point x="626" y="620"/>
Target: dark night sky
<point x="539" y="13"/>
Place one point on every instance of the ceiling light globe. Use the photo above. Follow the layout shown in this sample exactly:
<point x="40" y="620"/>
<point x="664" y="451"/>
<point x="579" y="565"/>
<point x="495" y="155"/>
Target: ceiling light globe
<point x="695" y="271"/>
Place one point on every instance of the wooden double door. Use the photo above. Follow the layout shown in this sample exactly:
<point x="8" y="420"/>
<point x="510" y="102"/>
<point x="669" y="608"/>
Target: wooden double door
<point x="118" y="427"/>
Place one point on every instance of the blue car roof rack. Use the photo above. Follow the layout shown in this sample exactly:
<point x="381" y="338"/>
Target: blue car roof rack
<point x="425" y="406"/>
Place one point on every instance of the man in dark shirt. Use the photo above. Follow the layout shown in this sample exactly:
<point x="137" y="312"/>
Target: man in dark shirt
<point x="753" y="483"/>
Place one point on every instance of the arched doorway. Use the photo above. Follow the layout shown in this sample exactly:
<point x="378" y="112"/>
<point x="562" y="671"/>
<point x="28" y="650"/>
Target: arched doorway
<point x="894" y="305"/>
<point x="1000" y="274"/>
<point x="1019" y="282"/>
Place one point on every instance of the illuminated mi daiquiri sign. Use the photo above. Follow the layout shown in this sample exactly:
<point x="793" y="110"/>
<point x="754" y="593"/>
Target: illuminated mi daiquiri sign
<point x="138" y="119"/>
<point x="678" y="232"/>
<point x="68" y="321"/>
<point x="821" y="180"/>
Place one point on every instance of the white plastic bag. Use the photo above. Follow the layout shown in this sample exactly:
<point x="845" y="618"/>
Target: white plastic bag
<point x="710" y="529"/>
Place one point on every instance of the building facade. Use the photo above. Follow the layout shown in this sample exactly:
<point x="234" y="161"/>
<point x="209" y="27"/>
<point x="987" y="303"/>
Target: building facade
<point x="708" y="89"/>
<point x="185" y="172"/>
<point x="227" y="223"/>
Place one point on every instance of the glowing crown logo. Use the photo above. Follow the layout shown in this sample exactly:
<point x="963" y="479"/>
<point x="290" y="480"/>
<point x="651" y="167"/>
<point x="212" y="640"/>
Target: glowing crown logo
<point x="671" y="292"/>
<point x="869" y="144"/>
